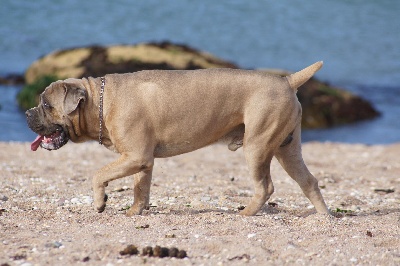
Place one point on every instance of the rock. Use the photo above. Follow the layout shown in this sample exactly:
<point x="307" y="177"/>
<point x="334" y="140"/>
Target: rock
<point x="129" y="250"/>
<point x="75" y="201"/>
<point x="181" y="254"/>
<point x="323" y="105"/>
<point x="327" y="106"/>
<point x="3" y="198"/>
<point x="160" y="252"/>
<point x="98" y="60"/>
<point x="12" y="79"/>
<point x="173" y="252"/>
<point x="147" y="251"/>
<point x="205" y="198"/>
<point x="61" y="202"/>
<point x="55" y="244"/>
<point x="87" y="200"/>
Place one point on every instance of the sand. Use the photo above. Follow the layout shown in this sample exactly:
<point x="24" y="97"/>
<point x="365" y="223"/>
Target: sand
<point x="47" y="217"/>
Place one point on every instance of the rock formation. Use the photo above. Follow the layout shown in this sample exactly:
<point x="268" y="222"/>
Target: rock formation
<point x="323" y="105"/>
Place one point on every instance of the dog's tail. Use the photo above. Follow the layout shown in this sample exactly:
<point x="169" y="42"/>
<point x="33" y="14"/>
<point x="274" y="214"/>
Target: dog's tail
<point x="299" y="78"/>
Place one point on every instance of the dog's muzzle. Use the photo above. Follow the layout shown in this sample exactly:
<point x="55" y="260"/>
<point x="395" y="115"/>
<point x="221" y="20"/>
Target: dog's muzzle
<point x="50" y="138"/>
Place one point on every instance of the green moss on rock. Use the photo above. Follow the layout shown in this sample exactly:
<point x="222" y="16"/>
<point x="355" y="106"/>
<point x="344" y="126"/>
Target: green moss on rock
<point x="28" y="97"/>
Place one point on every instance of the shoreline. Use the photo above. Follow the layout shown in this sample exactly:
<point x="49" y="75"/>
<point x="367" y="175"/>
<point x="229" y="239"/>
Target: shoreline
<point x="48" y="217"/>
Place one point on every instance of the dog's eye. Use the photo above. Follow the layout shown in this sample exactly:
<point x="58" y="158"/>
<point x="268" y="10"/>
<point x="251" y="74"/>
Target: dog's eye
<point x="46" y="105"/>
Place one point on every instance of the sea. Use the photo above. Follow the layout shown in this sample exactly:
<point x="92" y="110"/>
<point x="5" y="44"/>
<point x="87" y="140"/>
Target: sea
<point x="358" y="40"/>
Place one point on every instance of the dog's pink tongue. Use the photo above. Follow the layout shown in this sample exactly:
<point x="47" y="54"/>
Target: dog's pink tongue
<point x="36" y="143"/>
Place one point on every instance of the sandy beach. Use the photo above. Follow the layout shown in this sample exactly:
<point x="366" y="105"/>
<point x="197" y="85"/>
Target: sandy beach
<point x="47" y="217"/>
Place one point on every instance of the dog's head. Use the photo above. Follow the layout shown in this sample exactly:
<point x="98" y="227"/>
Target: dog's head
<point x="56" y="118"/>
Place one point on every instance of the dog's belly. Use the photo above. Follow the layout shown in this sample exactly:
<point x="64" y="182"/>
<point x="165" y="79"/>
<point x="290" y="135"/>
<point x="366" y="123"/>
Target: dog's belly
<point x="232" y="137"/>
<point x="168" y="150"/>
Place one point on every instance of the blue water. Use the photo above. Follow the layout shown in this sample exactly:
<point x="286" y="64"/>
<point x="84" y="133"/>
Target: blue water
<point x="358" y="41"/>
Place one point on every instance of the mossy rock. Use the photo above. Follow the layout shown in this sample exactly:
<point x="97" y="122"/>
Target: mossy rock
<point x="28" y="97"/>
<point x="326" y="106"/>
<point x="323" y="105"/>
<point x="97" y="61"/>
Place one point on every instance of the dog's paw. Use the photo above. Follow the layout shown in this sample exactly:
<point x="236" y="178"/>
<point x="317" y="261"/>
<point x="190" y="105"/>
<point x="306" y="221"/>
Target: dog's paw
<point x="247" y="212"/>
<point x="134" y="210"/>
<point x="131" y="212"/>
<point x="101" y="205"/>
<point x="101" y="208"/>
<point x="250" y="210"/>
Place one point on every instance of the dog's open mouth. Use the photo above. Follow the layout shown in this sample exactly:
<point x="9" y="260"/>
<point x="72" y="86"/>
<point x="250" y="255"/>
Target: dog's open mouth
<point x="50" y="142"/>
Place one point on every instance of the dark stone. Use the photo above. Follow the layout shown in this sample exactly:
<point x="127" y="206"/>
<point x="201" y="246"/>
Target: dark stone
<point x="160" y="252"/>
<point x="147" y="251"/>
<point x="129" y="250"/>
<point x="181" y="254"/>
<point x="12" y="79"/>
<point x="173" y="252"/>
<point x="326" y="106"/>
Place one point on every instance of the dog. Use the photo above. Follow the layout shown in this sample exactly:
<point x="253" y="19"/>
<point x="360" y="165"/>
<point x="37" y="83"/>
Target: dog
<point x="162" y="113"/>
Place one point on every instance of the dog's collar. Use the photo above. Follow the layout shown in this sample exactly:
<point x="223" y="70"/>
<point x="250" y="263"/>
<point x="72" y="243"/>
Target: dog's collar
<point x="103" y="83"/>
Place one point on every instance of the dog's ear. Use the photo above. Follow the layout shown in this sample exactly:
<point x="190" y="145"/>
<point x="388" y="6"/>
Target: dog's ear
<point x="74" y="94"/>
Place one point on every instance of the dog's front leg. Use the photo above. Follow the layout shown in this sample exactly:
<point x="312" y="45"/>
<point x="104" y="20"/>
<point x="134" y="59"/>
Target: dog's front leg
<point x="127" y="164"/>
<point x="141" y="190"/>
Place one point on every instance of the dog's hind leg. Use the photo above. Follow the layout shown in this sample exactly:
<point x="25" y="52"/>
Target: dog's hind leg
<point x="258" y="159"/>
<point x="290" y="157"/>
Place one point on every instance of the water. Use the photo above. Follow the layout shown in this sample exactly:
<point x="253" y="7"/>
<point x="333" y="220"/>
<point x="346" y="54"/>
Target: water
<point x="12" y="121"/>
<point x="358" y="41"/>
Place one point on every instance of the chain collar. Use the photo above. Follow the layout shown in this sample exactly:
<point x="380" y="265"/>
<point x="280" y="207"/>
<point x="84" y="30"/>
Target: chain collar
<point x="103" y="83"/>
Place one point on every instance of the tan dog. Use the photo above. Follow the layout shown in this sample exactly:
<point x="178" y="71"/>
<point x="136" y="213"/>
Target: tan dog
<point x="150" y="114"/>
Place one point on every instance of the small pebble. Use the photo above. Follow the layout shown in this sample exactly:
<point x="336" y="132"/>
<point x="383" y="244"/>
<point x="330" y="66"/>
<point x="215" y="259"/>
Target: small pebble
<point x="87" y="200"/>
<point x="160" y="252"/>
<point x="205" y="198"/>
<point x="173" y="252"/>
<point x="75" y="201"/>
<point x="142" y="226"/>
<point x="147" y="251"/>
<point x="3" y="198"/>
<point x="61" y="202"/>
<point x="181" y="254"/>
<point x="129" y="250"/>
<point x="354" y="260"/>
<point x="251" y="235"/>
<point x="55" y="244"/>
